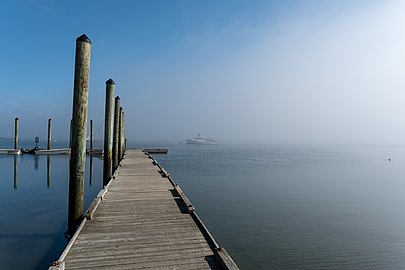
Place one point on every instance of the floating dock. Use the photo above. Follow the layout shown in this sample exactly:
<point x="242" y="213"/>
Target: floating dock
<point x="10" y="151"/>
<point x="56" y="151"/>
<point x="156" y="150"/>
<point x="142" y="220"/>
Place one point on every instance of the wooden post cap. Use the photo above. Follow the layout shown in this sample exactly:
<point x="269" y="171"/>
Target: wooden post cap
<point x="110" y="81"/>
<point x="83" y="38"/>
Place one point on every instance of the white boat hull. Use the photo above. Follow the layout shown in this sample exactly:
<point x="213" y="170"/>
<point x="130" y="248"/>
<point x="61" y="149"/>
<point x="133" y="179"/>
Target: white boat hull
<point x="200" y="142"/>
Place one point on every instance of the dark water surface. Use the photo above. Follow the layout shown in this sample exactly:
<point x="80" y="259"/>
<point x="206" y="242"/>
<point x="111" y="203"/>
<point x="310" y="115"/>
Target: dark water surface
<point x="33" y="207"/>
<point x="298" y="207"/>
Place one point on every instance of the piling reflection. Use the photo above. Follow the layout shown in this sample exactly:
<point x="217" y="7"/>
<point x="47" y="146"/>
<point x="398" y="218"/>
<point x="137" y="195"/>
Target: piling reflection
<point x="15" y="171"/>
<point x="36" y="162"/>
<point x="91" y="169"/>
<point x="48" y="171"/>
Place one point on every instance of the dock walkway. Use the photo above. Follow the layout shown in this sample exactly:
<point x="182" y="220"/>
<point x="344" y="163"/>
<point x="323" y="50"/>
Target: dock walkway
<point x="141" y="221"/>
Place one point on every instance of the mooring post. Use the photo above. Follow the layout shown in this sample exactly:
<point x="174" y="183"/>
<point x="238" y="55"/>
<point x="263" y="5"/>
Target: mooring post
<point x="70" y="133"/>
<point x="91" y="135"/>
<point x="117" y="116"/>
<point x="121" y="139"/>
<point x="49" y="134"/>
<point x="78" y="132"/>
<point x="108" y="127"/>
<point x="16" y="133"/>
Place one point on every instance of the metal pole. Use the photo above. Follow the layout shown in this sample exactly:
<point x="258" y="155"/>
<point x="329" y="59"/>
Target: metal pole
<point x="108" y="126"/>
<point x="117" y="116"/>
<point x="78" y="130"/>
<point x="16" y="133"/>
<point x="49" y="133"/>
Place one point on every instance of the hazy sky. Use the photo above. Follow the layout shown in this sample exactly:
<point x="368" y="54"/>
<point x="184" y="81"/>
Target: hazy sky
<point x="238" y="71"/>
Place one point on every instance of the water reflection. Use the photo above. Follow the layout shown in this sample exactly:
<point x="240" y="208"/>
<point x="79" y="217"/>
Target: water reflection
<point x="91" y="169"/>
<point x="39" y="194"/>
<point x="36" y="162"/>
<point x="15" y="172"/>
<point x="48" y="171"/>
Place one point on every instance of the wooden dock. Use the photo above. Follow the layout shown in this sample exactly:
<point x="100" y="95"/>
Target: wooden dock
<point x="142" y="220"/>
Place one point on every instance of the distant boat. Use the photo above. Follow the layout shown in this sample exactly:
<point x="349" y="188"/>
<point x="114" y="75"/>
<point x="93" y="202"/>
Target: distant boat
<point x="8" y="136"/>
<point x="201" y="140"/>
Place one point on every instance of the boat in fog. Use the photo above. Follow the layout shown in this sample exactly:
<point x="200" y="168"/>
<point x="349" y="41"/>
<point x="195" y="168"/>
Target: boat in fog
<point x="201" y="140"/>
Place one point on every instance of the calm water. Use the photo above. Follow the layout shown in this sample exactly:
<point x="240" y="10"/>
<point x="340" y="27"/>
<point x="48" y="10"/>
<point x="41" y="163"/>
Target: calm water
<point x="33" y="211"/>
<point x="298" y="207"/>
<point x="271" y="207"/>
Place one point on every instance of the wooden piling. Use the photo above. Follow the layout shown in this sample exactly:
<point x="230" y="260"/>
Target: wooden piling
<point x="121" y="138"/>
<point x="49" y="134"/>
<point x="116" y="146"/>
<point x="91" y="135"/>
<point x="16" y="133"/>
<point x="78" y="132"/>
<point x="70" y="133"/>
<point x="108" y="128"/>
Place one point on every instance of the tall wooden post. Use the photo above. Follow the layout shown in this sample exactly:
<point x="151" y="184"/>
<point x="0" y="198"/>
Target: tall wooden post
<point x="49" y="134"/>
<point x="123" y="140"/>
<point x="120" y="136"/>
<point x="108" y="127"/>
<point x="70" y="133"/>
<point x="91" y="135"/>
<point x="16" y="133"/>
<point x="117" y="116"/>
<point x="78" y="132"/>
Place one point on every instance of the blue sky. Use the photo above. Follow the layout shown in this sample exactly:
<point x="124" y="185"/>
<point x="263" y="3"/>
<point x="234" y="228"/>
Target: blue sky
<point x="248" y="71"/>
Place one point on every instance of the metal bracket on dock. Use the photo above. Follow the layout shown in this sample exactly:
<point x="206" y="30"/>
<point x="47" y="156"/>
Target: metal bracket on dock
<point x="93" y="207"/>
<point x="225" y="260"/>
<point x="57" y="265"/>
<point x="163" y="172"/>
<point x="190" y="207"/>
